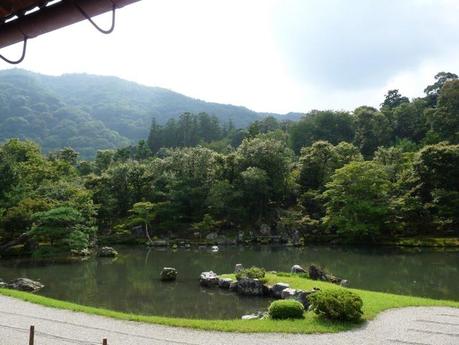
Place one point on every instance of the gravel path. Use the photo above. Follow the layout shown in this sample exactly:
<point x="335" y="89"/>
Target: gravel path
<point x="417" y="326"/>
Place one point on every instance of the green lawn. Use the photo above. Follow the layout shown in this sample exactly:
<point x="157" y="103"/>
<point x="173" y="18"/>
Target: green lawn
<point x="374" y="302"/>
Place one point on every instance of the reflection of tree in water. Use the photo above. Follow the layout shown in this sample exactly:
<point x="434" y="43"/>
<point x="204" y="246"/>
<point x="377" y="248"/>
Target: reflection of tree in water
<point x="131" y="282"/>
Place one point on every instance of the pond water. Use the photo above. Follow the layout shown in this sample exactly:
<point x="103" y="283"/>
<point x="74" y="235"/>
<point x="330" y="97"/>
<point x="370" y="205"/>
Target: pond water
<point x="131" y="283"/>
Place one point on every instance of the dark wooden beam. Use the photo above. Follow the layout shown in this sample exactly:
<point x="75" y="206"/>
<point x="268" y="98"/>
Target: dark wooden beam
<point x="53" y="17"/>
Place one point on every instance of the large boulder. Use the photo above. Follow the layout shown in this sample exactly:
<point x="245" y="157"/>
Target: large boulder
<point x="250" y="287"/>
<point x="316" y="273"/>
<point x="301" y="296"/>
<point x="297" y="269"/>
<point x="25" y="284"/>
<point x="288" y="293"/>
<point x="238" y="268"/>
<point x="168" y="274"/>
<point x="224" y="283"/>
<point x="208" y="279"/>
<point x="276" y="289"/>
<point x="107" y="252"/>
<point x="212" y="236"/>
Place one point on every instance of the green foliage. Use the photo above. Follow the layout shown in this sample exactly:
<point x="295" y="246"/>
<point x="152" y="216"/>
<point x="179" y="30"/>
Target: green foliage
<point x="372" y="129"/>
<point x="358" y="204"/>
<point x="338" y="304"/>
<point x="367" y="176"/>
<point x="330" y="126"/>
<point x="286" y="309"/>
<point x="251" y="273"/>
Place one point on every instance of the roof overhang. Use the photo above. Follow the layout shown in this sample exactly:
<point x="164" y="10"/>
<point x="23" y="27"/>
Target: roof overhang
<point x="20" y="19"/>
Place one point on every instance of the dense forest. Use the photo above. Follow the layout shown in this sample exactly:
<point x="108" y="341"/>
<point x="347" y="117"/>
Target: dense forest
<point x="88" y="112"/>
<point x="364" y="176"/>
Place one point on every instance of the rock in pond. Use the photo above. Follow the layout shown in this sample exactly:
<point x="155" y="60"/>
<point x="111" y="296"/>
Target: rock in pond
<point x="168" y="274"/>
<point x="158" y="243"/>
<point x="250" y="287"/>
<point x="107" y="252"/>
<point x="297" y="269"/>
<point x="208" y="279"/>
<point x="238" y="268"/>
<point x="25" y="284"/>
<point x="224" y="283"/>
<point x="276" y="289"/>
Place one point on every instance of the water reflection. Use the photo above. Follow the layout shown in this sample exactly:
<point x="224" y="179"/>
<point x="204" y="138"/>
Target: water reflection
<point x="131" y="282"/>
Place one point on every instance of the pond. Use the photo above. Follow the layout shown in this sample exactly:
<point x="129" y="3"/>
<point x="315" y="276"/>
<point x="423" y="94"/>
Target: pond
<point x="131" y="283"/>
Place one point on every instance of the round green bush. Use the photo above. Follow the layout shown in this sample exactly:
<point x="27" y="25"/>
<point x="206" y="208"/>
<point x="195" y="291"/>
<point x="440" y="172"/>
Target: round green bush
<point x="337" y="304"/>
<point x="286" y="309"/>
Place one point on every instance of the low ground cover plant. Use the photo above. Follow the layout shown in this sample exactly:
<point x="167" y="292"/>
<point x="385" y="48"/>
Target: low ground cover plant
<point x="337" y="304"/>
<point x="251" y="273"/>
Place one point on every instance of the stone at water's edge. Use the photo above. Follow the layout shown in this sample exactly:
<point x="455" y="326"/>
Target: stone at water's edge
<point x="238" y="268"/>
<point x="317" y="273"/>
<point x="25" y="284"/>
<point x="168" y="274"/>
<point x="288" y="293"/>
<point x="255" y="316"/>
<point x="297" y="269"/>
<point x="224" y="283"/>
<point x="233" y="286"/>
<point x="250" y="287"/>
<point x="208" y="279"/>
<point x="276" y="289"/>
<point x="107" y="252"/>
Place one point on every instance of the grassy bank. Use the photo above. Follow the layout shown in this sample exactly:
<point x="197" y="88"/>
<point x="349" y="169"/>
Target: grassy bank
<point x="374" y="303"/>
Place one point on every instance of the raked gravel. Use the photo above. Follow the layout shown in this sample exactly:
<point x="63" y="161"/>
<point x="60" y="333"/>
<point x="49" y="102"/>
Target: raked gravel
<point x="416" y="326"/>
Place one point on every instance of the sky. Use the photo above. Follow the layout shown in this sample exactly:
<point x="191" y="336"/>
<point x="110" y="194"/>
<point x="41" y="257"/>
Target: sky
<point x="268" y="55"/>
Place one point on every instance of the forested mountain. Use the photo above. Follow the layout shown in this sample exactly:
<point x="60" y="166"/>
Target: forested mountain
<point x="88" y="112"/>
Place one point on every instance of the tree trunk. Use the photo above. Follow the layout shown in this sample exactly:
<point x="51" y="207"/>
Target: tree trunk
<point x="147" y="233"/>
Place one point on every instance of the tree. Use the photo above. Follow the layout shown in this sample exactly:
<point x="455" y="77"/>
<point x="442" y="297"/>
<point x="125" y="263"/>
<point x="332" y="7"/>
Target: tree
<point x="408" y="120"/>
<point x="271" y="156"/>
<point x="372" y="129"/>
<point x="331" y="126"/>
<point x="358" y="201"/>
<point x="393" y="99"/>
<point x="143" y="212"/>
<point x="63" y="227"/>
<point x="319" y="161"/>
<point x="444" y="120"/>
<point x="441" y="78"/>
<point x="206" y="225"/>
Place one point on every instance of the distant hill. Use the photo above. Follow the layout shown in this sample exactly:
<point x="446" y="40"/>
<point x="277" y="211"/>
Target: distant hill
<point x="89" y="112"/>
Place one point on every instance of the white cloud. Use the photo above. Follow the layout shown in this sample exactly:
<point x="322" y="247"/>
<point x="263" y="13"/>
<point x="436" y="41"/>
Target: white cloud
<point x="249" y="52"/>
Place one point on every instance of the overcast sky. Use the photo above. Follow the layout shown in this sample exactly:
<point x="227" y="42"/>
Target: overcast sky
<point x="268" y="55"/>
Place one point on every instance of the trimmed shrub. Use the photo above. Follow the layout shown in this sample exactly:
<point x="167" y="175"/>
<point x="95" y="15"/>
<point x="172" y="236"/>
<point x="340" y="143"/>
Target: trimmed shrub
<point x="286" y="309"/>
<point x="338" y="304"/>
<point x="251" y="273"/>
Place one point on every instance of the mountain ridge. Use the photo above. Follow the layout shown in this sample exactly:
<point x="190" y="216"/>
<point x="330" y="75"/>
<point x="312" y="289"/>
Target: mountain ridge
<point x="109" y="111"/>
